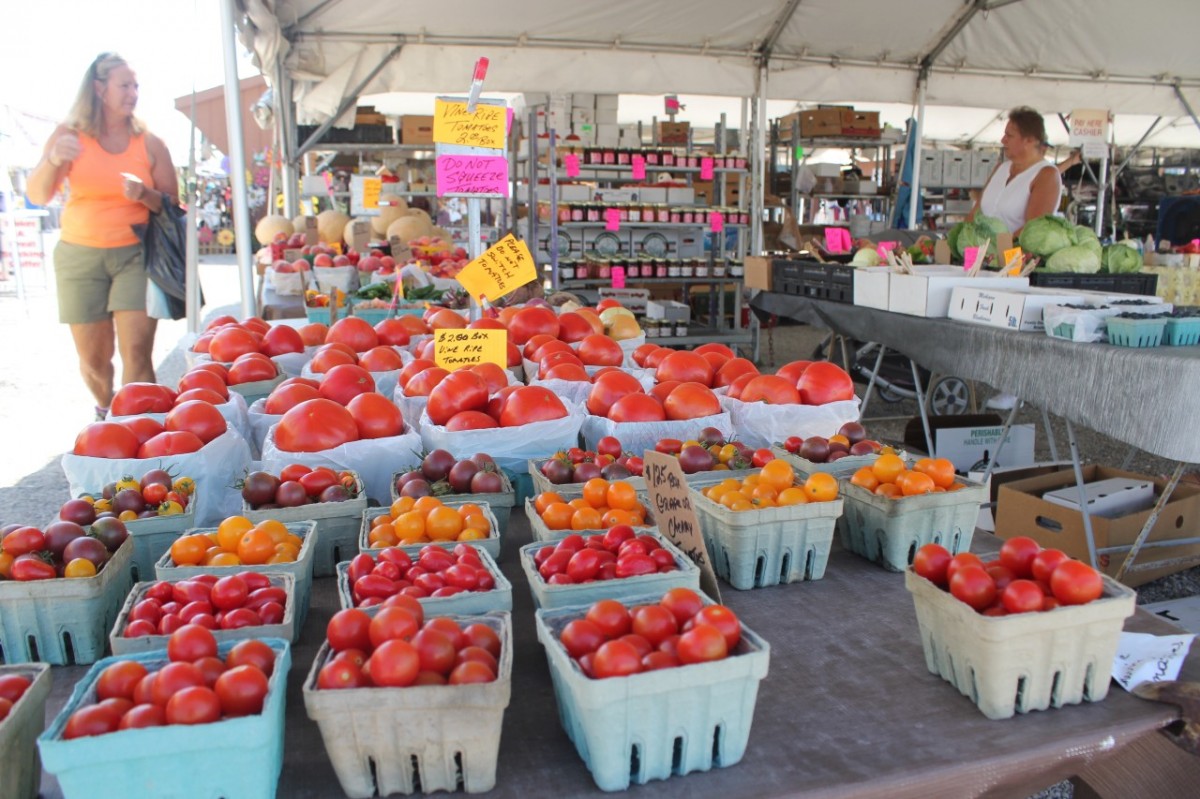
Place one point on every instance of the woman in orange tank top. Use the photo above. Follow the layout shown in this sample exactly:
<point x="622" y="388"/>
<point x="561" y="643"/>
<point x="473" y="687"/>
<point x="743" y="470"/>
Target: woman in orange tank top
<point x="117" y="174"/>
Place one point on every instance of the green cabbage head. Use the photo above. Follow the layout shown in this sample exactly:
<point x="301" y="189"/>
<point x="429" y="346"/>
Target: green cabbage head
<point x="1046" y="235"/>
<point x="1076" y="258"/>
<point x="974" y="234"/>
<point x="1121" y="258"/>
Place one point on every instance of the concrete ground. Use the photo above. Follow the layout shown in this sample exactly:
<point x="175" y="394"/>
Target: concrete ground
<point x="43" y="405"/>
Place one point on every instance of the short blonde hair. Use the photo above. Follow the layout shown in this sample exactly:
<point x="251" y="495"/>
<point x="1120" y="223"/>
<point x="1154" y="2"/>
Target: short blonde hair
<point x="86" y="114"/>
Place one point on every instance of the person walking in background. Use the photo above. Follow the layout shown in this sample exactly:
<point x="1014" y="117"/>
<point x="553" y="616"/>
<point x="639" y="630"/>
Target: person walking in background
<point x="117" y="174"/>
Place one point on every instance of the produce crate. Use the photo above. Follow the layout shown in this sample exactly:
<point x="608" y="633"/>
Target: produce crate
<point x="301" y="569"/>
<point x="501" y="503"/>
<point x="259" y="389"/>
<point x="63" y="621"/>
<point x="656" y="724"/>
<point x="237" y="758"/>
<point x="337" y="525"/>
<point x="384" y="741"/>
<point x="1143" y="283"/>
<point x="490" y="545"/>
<point x="842" y="467"/>
<point x="550" y="596"/>
<point x="1136" y="333"/>
<point x="540" y="483"/>
<point x="22" y="771"/>
<point x="890" y="531"/>
<point x="786" y="277"/>
<point x="1023" y="661"/>
<point x="152" y="537"/>
<point x="1182" y="332"/>
<point x="467" y="602"/>
<point x="288" y="629"/>
<point x="543" y="533"/>
<point x="759" y="548"/>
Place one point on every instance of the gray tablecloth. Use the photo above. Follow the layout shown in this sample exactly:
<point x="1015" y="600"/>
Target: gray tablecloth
<point x="1149" y="398"/>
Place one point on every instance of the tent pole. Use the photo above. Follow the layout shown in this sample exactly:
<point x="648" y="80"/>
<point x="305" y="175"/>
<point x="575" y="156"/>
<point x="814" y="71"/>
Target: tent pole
<point x="914" y="196"/>
<point x="1187" y="106"/>
<point x="350" y="99"/>
<point x="757" y="148"/>
<point x="285" y="122"/>
<point x="237" y="160"/>
<point x="191" y="282"/>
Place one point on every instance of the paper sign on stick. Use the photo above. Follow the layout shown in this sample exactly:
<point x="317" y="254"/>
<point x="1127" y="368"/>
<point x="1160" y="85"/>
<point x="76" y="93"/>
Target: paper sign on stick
<point x="453" y="125"/>
<point x="716" y="221"/>
<point x="618" y="277"/>
<point x="454" y="349"/>
<point x="612" y="219"/>
<point x="639" y="167"/>
<point x="884" y="247"/>
<point x="571" y="162"/>
<point x="360" y="235"/>
<point x="401" y="252"/>
<point x="969" y="256"/>
<point x="1010" y="258"/>
<point x="371" y="190"/>
<point x="472" y="174"/>
<point x="310" y="230"/>
<point x="706" y="169"/>
<point x="505" y="267"/>
<point x="672" y="505"/>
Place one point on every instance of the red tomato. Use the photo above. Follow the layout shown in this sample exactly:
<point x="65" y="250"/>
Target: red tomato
<point x="700" y="644"/>
<point x="211" y="668"/>
<point x="684" y="603"/>
<point x="329" y="356"/>
<point x="686" y="367"/>
<point x="435" y="649"/>
<point x="241" y="691"/>
<point x="142" y="716"/>
<point x="655" y="623"/>
<point x="106" y="440"/>
<point x="171" y="443"/>
<point x="349" y="629"/>
<point x="609" y="615"/>
<point x="572" y="327"/>
<point x="471" y="671"/>
<point x="217" y="369"/>
<point x="171" y="678"/>
<point x="254" y="653"/>
<point x="960" y="560"/>
<point x="529" y="322"/>
<point x="1046" y="562"/>
<point x="423" y="383"/>
<point x="734" y="391"/>
<point x="691" y="401"/>
<point x="24" y="540"/>
<point x="1022" y="596"/>
<point x="376" y="416"/>
<point x="492" y="375"/>
<point x="581" y="637"/>
<point x="281" y="339"/>
<point x="190" y="643"/>
<point x="470" y="420"/>
<point x="724" y="620"/>
<point x="461" y="391"/>
<point x="930" y="562"/>
<point x="196" y="417"/>
<point x="642" y="352"/>
<point x="315" y="425"/>
<point x="204" y="378"/>
<point x="394" y="663"/>
<point x="137" y="398"/>
<point x="119" y="680"/>
<point x="1076" y="583"/>
<point x="733" y="369"/>
<point x="792" y="371"/>
<point x="1017" y="554"/>
<point x="761" y="458"/>
<point x="616" y="659"/>
<point x="637" y="408"/>
<point x="771" y="389"/>
<point x="824" y="382"/>
<point x="229" y="592"/>
<point x="197" y="704"/>
<point x="201" y="394"/>
<point x="381" y="359"/>
<point x="484" y="637"/>
<point x="529" y="404"/>
<point x="250" y="369"/>
<point x="13" y="686"/>
<point x="608" y="388"/>
<point x="392" y="333"/>
<point x="230" y="342"/>
<point x="344" y="382"/>
<point x="341" y="673"/>
<point x="355" y="333"/>
<point x="91" y="720"/>
<point x="974" y="586"/>
<point x="1001" y="575"/>
<point x="548" y="362"/>
<point x="566" y="371"/>
<point x="144" y="427"/>
<point x="284" y="397"/>
<point x="392" y="624"/>
<point x="598" y="350"/>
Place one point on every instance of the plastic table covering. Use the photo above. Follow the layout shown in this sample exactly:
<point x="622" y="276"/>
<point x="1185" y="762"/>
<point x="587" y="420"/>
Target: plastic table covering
<point x="848" y="707"/>
<point x="1148" y="398"/>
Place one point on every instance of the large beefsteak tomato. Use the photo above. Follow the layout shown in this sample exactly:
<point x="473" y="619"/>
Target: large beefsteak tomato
<point x="198" y="417"/>
<point x="282" y="339"/>
<point x="461" y="391"/>
<point x="608" y="388"/>
<point x="686" y="367"/>
<point x="344" y="382"/>
<point x="691" y="401"/>
<point x="771" y="389"/>
<point x="529" y="404"/>
<point x="637" y="408"/>
<point x="315" y="425"/>
<point x="230" y="342"/>
<point x="354" y="332"/>
<point x="376" y="416"/>
<point x="134" y="398"/>
<point x="178" y="442"/>
<point x="824" y="382"/>
<point x="528" y="322"/>
<point x="106" y="440"/>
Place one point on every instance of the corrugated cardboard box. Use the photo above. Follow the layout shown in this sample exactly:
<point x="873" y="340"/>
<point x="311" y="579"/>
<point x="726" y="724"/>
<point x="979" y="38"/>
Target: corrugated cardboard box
<point x="758" y="272"/>
<point x="860" y="123"/>
<point x="927" y="293"/>
<point x="367" y="115"/>
<point x="416" y="129"/>
<point x="1022" y="511"/>
<point x="982" y="164"/>
<point x="931" y="168"/>
<point x="673" y="133"/>
<point x="670" y="310"/>
<point x="1014" y="309"/>
<point x="871" y="286"/>
<point x="956" y="170"/>
<point x="704" y="191"/>
<point x="821" y="122"/>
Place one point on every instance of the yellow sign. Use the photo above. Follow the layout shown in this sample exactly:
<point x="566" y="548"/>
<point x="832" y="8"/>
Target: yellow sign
<point x="371" y="190"/>
<point x="1011" y="257"/>
<point x="504" y="268"/>
<point x="485" y="128"/>
<point x="454" y="349"/>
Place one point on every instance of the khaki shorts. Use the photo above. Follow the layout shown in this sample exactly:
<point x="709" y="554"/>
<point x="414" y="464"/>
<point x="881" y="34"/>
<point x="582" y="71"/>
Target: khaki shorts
<point x="93" y="282"/>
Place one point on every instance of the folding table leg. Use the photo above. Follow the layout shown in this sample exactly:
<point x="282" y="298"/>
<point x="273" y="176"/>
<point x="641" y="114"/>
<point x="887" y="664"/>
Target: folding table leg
<point x="1165" y="497"/>
<point x="1087" y="517"/>
<point x="1049" y="435"/>
<point x="921" y="407"/>
<point x="1008" y="423"/>
<point x="862" y="411"/>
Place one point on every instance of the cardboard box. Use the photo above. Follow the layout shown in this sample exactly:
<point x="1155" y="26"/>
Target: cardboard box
<point x="969" y="440"/>
<point x="367" y="115"/>
<point x="633" y="299"/>
<point x="416" y="129"/>
<point x="758" y="272"/>
<point x="670" y="310"/>
<point x="607" y="102"/>
<point x="673" y="133"/>
<point x="1021" y="510"/>
<point x="982" y="164"/>
<point x="821" y="122"/>
<point x="606" y="116"/>
<point x="653" y="194"/>
<point x="860" y="123"/>
<point x="703" y="192"/>
<point x="583" y="100"/>
<point x="607" y="135"/>
<point x="927" y="293"/>
<point x="931" y="168"/>
<point x="871" y="287"/>
<point x="1013" y="309"/>
<point x="956" y="170"/>
<point x="683" y="195"/>
<point x="1183" y="613"/>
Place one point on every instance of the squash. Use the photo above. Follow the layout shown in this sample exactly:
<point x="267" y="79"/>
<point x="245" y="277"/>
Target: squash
<point x="388" y="213"/>
<point x="270" y="226"/>
<point x="408" y="228"/>
<point x="330" y="226"/>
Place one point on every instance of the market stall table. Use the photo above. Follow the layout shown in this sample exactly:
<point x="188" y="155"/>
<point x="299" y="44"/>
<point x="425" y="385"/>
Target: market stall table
<point x="847" y="709"/>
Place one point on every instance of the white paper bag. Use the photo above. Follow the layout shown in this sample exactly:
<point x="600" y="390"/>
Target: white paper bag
<point x="375" y="460"/>
<point x="286" y="284"/>
<point x="636" y="437"/>
<point x="511" y="447"/>
<point x="761" y="425"/>
<point x="233" y="409"/>
<point x="344" y="278"/>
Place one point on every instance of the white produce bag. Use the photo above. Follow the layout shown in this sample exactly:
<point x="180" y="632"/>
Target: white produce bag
<point x="215" y="467"/>
<point x="293" y="363"/>
<point x="233" y="409"/>
<point x="636" y="437"/>
<point x="260" y="423"/>
<point x="375" y="460"/>
<point x="511" y="447"/>
<point x="344" y="278"/>
<point x="574" y="390"/>
<point x="761" y="425"/>
<point x="286" y="284"/>
<point x="411" y="408"/>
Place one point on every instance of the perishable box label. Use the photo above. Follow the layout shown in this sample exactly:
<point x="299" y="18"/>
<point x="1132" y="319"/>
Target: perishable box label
<point x="972" y="448"/>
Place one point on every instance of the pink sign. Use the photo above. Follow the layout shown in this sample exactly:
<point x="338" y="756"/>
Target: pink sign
<point x="837" y="239"/>
<point x="884" y="247"/>
<point x="706" y="169"/>
<point x="716" y="221"/>
<point x="571" y="162"/>
<point x="639" y="167"/>
<point x="472" y="174"/>
<point x="612" y="219"/>
<point x="618" y="277"/>
<point x="969" y="256"/>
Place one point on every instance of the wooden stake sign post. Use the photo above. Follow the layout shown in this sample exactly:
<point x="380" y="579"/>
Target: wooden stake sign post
<point x="672" y="505"/>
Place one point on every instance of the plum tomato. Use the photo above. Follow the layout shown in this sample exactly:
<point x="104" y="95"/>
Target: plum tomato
<point x="1017" y="554"/>
<point x="930" y="562"/>
<point x="974" y="586"/>
<point x="1076" y="583"/>
<point x="610" y="616"/>
<point x="1022" y="596"/>
<point x="1046" y="562"/>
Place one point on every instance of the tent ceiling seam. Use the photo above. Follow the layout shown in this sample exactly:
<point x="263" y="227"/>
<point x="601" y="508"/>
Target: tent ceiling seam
<point x="776" y="30"/>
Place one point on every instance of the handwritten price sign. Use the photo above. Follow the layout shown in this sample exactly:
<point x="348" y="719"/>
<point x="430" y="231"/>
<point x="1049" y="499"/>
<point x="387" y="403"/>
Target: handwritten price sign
<point x="454" y="349"/>
<point x="676" y="517"/>
<point x="504" y="268"/>
<point x="453" y="125"/>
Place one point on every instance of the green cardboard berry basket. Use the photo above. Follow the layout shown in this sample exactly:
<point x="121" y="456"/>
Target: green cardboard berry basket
<point x="337" y="526"/>
<point x="21" y="774"/>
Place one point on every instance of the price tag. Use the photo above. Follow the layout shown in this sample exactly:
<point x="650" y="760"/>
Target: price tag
<point x="310" y="230"/>
<point x="884" y="247"/>
<point x="837" y="239"/>
<point x="401" y="252"/>
<point x="706" y="169"/>
<point x="484" y="128"/>
<point x="1010" y="259"/>
<point x="293" y="255"/>
<point x="639" y="167"/>
<point x="505" y="267"/>
<point x="571" y="162"/>
<point x="360" y="234"/>
<point x="371" y="190"/>
<point x="454" y="349"/>
<point x="969" y="256"/>
<point x="612" y="219"/>
<point x="716" y="221"/>
<point x="618" y="277"/>
<point x="672" y="505"/>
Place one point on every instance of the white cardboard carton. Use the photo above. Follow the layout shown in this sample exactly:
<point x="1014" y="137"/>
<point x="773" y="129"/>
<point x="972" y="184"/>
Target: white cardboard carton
<point x="1111" y="498"/>
<point x="968" y="447"/>
<point x="956" y="169"/>
<point x="1013" y="309"/>
<point x="871" y="287"/>
<point x="931" y="168"/>
<point x="927" y="293"/>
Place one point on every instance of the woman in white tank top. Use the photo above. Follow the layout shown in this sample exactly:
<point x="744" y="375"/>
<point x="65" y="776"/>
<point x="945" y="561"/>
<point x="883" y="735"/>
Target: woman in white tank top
<point x="1025" y="185"/>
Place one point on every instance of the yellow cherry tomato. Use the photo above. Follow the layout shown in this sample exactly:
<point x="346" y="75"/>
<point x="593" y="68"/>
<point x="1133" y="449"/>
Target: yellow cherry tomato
<point x="184" y="485"/>
<point x="170" y="509"/>
<point x="128" y="482"/>
<point x="80" y="567"/>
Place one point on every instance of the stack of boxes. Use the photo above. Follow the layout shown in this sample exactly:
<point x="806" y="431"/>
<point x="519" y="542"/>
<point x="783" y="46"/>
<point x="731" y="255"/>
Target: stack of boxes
<point x="954" y="169"/>
<point x="590" y="117"/>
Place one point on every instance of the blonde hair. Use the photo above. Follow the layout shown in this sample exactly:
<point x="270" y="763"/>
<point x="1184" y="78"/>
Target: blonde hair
<point x="86" y="114"/>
